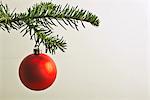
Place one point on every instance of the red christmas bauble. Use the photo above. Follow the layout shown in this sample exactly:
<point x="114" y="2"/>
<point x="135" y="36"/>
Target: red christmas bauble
<point x="37" y="71"/>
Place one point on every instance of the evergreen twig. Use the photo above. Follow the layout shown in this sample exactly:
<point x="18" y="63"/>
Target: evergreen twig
<point x="38" y="21"/>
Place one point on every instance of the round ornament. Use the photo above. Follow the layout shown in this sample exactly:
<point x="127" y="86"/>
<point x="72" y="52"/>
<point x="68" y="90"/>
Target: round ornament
<point x="37" y="71"/>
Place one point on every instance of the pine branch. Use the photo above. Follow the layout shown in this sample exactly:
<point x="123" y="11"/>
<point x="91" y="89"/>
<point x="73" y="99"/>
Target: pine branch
<point x="52" y="43"/>
<point x="38" y="22"/>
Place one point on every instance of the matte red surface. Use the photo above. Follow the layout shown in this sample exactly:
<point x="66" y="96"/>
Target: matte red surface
<point x="37" y="72"/>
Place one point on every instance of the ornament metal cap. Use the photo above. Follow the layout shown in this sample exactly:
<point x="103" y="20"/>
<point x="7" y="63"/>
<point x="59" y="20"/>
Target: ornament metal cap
<point x="36" y="51"/>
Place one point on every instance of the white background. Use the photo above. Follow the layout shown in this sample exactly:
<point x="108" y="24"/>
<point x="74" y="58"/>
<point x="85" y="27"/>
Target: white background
<point x="109" y="62"/>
